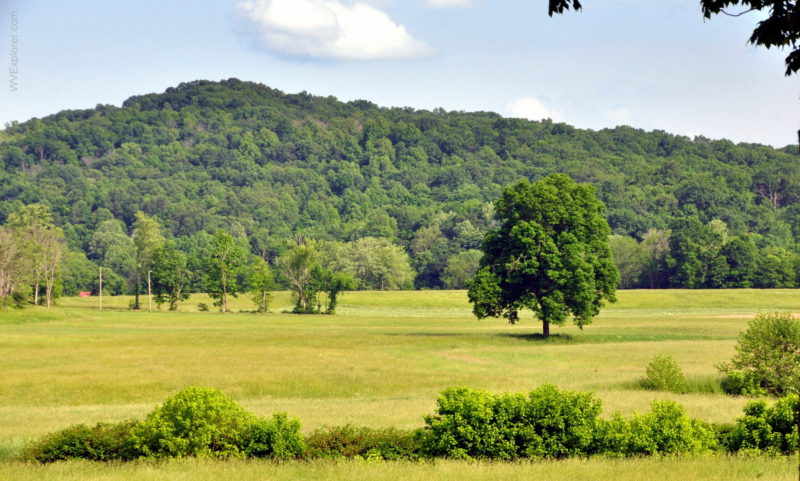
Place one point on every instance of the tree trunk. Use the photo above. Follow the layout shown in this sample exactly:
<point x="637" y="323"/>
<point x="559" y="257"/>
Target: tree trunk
<point x="173" y="301"/>
<point x="100" y="290"/>
<point x="136" y="294"/>
<point x="149" y="293"/>
<point x="36" y="294"/>
<point x="224" y="281"/>
<point x="545" y="329"/>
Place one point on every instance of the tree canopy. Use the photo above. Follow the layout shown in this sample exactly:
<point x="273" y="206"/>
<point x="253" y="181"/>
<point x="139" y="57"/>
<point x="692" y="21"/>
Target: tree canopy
<point x="550" y="254"/>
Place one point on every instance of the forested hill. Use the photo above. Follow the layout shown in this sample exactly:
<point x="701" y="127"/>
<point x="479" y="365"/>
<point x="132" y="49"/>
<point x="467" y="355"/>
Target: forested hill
<point x="273" y="166"/>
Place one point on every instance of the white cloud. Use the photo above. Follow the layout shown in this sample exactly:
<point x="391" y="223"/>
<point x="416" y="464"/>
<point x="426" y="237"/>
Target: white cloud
<point x="330" y="29"/>
<point x="447" y="3"/>
<point x="531" y="108"/>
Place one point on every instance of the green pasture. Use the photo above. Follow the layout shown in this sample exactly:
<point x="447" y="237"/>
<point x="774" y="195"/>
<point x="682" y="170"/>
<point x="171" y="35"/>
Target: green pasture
<point x="381" y="361"/>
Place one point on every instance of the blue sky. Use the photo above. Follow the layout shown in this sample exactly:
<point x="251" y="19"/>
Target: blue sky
<point x="649" y="64"/>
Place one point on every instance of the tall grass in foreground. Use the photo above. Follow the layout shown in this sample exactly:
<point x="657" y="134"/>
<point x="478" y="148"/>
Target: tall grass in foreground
<point x="722" y="468"/>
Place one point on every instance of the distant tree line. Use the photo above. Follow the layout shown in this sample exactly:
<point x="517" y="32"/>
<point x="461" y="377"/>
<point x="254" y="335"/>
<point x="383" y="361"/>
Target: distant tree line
<point x="35" y="266"/>
<point x="694" y="254"/>
<point x="267" y="167"/>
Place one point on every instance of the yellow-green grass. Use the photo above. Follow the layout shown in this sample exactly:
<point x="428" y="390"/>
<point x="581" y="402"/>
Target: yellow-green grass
<point x="380" y="361"/>
<point x="720" y="468"/>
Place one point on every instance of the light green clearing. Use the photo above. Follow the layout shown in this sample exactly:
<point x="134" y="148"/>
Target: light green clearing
<point x="380" y="362"/>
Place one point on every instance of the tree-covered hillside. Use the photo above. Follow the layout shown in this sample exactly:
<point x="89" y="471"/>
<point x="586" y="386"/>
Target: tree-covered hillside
<point x="268" y="166"/>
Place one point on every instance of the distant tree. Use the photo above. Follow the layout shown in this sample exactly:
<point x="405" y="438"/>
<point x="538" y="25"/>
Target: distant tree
<point x="112" y="249"/>
<point x="224" y="265"/>
<point x="550" y="254"/>
<point x="375" y="262"/>
<point x="461" y="268"/>
<point x="297" y="266"/>
<point x="261" y="282"/>
<point x="738" y="259"/>
<point x="780" y="29"/>
<point x="53" y="249"/>
<point x="693" y="258"/>
<point x="43" y="245"/>
<point x="776" y="267"/>
<point x="655" y="245"/>
<point x="333" y="283"/>
<point x="14" y="266"/>
<point x="431" y="248"/>
<point x="630" y="258"/>
<point x="147" y="238"/>
<point x="79" y="274"/>
<point x="170" y="275"/>
<point x="196" y="247"/>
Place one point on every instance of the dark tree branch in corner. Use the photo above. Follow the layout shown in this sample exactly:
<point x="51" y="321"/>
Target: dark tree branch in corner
<point x="780" y="29"/>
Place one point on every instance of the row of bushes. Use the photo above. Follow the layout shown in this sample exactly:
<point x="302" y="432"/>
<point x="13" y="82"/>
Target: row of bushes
<point x="206" y="422"/>
<point x="548" y="423"/>
<point x="469" y="424"/>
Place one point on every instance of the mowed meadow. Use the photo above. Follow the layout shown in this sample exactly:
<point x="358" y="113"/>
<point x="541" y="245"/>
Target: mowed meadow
<point x="380" y="361"/>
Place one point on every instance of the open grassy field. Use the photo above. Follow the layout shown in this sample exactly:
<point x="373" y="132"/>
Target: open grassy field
<point x="379" y="362"/>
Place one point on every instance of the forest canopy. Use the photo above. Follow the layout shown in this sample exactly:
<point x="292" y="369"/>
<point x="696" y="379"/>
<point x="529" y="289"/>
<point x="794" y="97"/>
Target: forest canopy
<point x="269" y="167"/>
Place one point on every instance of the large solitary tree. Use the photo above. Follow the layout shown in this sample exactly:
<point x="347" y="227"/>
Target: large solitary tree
<point x="549" y="254"/>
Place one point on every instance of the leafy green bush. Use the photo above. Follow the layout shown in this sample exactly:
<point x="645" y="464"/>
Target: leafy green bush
<point x="737" y="383"/>
<point x="664" y="374"/>
<point x="724" y="433"/>
<point x="545" y="423"/>
<point x="276" y="438"/>
<point x="666" y="429"/>
<point x="197" y="421"/>
<point x="768" y="354"/>
<point x="103" y="442"/>
<point x="769" y="429"/>
<point x="351" y="441"/>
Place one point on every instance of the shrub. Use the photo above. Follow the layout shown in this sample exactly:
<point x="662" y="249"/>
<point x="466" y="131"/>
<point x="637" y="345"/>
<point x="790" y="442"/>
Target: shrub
<point x="664" y="374"/>
<point x="738" y="383"/>
<point x="351" y="441"/>
<point x="666" y="429"/>
<point x="195" y="422"/>
<point x="545" y="423"/>
<point x="767" y="429"/>
<point x="768" y="353"/>
<point x="276" y="438"/>
<point x="103" y="442"/>
<point x="724" y="433"/>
